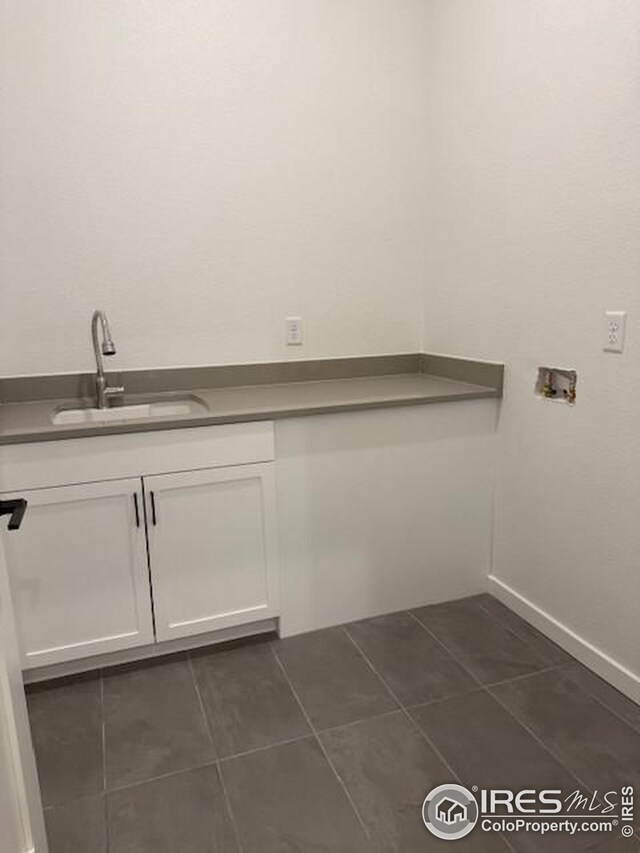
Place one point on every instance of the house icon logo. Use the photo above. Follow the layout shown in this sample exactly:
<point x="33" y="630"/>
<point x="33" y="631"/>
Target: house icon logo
<point x="450" y="812"/>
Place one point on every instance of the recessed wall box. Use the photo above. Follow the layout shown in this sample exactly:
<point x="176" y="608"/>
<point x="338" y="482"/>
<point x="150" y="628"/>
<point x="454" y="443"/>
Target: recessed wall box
<point x="557" y="384"/>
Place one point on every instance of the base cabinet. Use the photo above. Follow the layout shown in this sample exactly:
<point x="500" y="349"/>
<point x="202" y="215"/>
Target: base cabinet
<point x="175" y="536"/>
<point x="212" y="548"/>
<point x="79" y="573"/>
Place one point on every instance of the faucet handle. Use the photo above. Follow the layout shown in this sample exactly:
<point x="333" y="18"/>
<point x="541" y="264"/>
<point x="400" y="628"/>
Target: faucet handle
<point x="114" y="391"/>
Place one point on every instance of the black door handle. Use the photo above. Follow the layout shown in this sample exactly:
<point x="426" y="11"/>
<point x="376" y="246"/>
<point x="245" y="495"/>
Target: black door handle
<point x="153" y="509"/>
<point x="16" y="509"/>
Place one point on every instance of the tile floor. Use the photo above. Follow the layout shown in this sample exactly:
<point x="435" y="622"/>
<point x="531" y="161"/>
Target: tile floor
<point x="328" y="742"/>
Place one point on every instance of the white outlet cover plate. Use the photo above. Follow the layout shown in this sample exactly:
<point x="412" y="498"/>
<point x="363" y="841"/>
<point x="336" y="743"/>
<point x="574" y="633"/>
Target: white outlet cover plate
<point x="613" y="332"/>
<point x="294" y="331"/>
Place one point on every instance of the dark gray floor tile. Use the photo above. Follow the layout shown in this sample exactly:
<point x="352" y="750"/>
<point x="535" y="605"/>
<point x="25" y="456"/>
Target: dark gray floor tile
<point x="247" y="698"/>
<point x="598" y="747"/>
<point x="486" y="647"/>
<point x="153" y="722"/>
<point x="411" y="662"/>
<point x="608" y="695"/>
<point x="389" y="769"/>
<point x="334" y="682"/>
<point x="287" y="799"/>
<point x="544" y="647"/>
<point x="487" y="747"/>
<point x="66" y="725"/>
<point x="78" y="826"/>
<point x="183" y="813"/>
<point x="614" y="844"/>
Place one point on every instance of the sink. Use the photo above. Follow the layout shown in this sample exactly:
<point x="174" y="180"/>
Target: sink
<point x="147" y="410"/>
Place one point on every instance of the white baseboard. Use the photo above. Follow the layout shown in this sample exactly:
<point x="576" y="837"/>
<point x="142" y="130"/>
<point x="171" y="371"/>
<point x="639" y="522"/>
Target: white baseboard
<point x="606" y="667"/>
<point x="140" y="653"/>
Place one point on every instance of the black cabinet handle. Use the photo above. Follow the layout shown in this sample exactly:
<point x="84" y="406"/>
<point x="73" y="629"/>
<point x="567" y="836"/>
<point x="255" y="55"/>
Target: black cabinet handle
<point x="135" y="503"/>
<point x="16" y="509"/>
<point x="153" y="509"/>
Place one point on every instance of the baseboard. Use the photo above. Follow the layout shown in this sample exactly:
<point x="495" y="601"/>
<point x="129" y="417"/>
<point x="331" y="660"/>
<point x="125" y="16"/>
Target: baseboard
<point x="140" y="653"/>
<point x="588" y="654"/>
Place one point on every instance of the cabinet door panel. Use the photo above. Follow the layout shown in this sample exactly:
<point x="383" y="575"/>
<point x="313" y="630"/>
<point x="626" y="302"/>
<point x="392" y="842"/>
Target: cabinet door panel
<point x="79" y="574"/>
<point x="213" y="561"/>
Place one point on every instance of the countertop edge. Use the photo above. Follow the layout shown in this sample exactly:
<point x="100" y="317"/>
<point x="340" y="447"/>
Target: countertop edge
<point x="461" y="395"/>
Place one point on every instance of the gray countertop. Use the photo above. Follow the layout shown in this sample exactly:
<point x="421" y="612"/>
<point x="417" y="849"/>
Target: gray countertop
<point x="30" y="421"/>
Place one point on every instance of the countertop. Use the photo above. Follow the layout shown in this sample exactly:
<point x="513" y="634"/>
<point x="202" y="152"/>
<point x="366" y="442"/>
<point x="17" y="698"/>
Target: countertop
<point x="31" y="421"/>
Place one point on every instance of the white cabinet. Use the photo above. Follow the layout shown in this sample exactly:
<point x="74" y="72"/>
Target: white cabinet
<point x="79" y="572"/>
<point x="212" y="548"/>
<point x="85" y="567"/>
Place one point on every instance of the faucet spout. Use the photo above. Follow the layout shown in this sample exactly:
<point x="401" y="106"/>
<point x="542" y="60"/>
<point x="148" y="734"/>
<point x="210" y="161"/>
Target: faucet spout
<point x="107" y="347"/>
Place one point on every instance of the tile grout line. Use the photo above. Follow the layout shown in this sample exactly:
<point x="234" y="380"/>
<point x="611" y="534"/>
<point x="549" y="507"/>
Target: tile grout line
<point x="441" y="699"/>
<point x="510" y="628"/>
<point x="103" y="734"/>
<point x="446" y="648"/>
<point x="104" y="760"/>
<point x="546" y="747"/>
<point x="232" y="817"/>
<point x="201" y="703"/>
<point x="481" y="684"/>
<point x="414" y="725"/>
<point x="487" y="689"/>
<point x="227" y="802"/>
<point x="539" y="740"/>
<point x="224" y="758"/>
<point x="503" y="623"/>
<point x="160" y="777"/>
<point x="572" y="661"/>
<point x="321" y="745"/>
<point x="80" y="799"/>
<point x="479" y="687"/>
<point x="330" y="729"/>
<point x="523" y="676"/>
<point x="635" y="729"/>
<point x="215" y="761"/>
<point x="401" y="707"/>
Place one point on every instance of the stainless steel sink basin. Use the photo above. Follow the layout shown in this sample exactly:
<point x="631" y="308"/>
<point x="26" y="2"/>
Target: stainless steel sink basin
<point x="138" y="411"/>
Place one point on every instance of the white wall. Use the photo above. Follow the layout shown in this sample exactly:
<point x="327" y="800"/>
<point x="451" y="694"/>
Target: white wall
<point x="202" y="170"/>
<point x="534" y="233"/>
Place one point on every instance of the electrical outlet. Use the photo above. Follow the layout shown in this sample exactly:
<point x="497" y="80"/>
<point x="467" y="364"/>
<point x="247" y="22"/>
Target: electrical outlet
<point x="615" y="323"/>
<point x="294" y="331"/>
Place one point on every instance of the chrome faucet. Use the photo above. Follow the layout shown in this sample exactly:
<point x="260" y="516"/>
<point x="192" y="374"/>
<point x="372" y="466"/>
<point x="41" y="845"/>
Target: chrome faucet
<point x="103" y="391"/>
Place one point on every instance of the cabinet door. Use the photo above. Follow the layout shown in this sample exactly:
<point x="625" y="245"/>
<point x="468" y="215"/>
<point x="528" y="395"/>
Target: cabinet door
<point x="212" y="544"/>
<point x="79" y="572"/>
